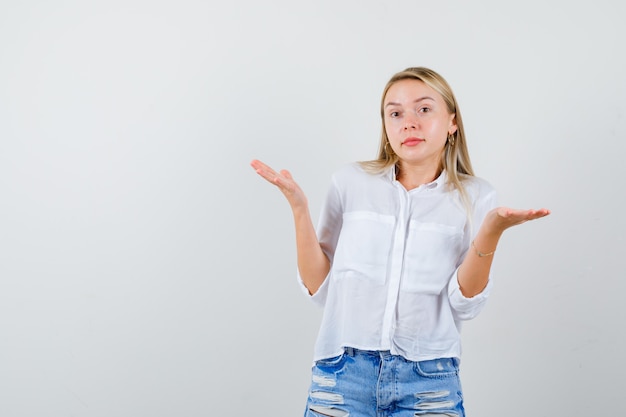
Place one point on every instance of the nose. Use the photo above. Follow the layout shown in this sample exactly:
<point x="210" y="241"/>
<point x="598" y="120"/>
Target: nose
<point x="410" y="123"/>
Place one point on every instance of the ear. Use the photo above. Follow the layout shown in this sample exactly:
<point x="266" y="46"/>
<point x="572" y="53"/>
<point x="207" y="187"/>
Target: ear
<point x="453" y="127"/>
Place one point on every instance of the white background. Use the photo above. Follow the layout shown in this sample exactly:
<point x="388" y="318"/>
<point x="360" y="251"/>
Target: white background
<point x="145" y="270"/>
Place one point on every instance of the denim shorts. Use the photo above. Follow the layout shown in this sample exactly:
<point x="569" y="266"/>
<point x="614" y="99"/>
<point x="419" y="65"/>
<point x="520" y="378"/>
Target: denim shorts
<point x="361" y="383"/>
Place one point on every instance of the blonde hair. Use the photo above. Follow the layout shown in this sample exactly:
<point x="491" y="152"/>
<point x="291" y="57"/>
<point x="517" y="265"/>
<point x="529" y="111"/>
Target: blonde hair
<point x="455" y="159"/>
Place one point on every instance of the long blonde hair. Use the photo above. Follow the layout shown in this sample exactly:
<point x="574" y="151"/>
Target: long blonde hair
<point x="455" y="160"/>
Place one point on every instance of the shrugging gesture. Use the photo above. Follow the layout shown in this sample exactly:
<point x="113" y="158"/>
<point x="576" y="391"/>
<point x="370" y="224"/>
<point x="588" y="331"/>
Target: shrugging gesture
<point x="396" y="235"/>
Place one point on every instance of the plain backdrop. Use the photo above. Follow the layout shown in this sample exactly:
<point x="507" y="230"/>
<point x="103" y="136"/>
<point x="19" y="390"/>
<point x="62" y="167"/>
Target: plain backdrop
<point x="146" y="270"/>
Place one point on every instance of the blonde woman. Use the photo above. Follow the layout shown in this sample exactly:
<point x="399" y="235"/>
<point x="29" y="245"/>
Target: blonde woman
<point x="401" y="256"/>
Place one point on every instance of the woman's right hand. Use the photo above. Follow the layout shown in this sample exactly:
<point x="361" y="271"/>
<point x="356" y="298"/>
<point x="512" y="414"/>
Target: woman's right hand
<point x="312" y="262"/>
<point x="285" y="183"/>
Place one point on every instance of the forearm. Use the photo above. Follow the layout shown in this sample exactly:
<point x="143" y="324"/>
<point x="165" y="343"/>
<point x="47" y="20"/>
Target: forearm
<point x="313" y="264"/>
<point x="473" y="274"/>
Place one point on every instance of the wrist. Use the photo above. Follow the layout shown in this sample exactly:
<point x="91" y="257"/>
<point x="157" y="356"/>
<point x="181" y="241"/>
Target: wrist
<point x="480" y="253"/>
<point x="485" y="243"/>
<point x="300" y="210"/>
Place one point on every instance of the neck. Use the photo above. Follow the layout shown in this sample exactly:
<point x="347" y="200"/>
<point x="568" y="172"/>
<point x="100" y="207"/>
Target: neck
<point x="413" y="176"/>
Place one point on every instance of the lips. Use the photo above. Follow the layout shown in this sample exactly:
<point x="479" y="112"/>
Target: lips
<point x="412" y="141"/>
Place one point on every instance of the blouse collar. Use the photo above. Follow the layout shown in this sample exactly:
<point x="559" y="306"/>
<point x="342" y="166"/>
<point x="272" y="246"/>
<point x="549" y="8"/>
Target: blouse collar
<point x="438" y="182"/>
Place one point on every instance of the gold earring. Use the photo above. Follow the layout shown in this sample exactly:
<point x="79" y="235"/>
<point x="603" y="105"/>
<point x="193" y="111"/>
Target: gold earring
<point x="389" y="150"/>
<point x="451" y="139"/>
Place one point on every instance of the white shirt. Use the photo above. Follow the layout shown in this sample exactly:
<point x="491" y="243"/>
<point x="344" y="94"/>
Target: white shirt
<point x="394" y="257"/>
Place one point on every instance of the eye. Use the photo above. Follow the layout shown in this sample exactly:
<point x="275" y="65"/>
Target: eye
<point x="424" y="110"/>
<point x="394" y="114"/>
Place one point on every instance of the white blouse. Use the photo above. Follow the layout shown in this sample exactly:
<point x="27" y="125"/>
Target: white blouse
<point x="394" y="257"/>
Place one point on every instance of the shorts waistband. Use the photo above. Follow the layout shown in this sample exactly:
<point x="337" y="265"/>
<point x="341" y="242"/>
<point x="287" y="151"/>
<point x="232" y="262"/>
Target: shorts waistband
<point x="350" y="351"/>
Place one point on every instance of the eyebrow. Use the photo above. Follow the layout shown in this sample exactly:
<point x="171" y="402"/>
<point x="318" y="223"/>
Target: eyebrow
<point x="391" y="103"/>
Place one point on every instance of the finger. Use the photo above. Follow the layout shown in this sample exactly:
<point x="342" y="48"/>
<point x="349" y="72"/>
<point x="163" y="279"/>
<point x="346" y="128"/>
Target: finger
<point x="264" y="170"/>
<point x="506" y="212"/>
<point x="267" y="175"/>
<point x="540" y="213"/>
<point x="285" y="184"/>
<point x="256" y="164"/>
<point x="286" y="174"/>
<point x="260" y="166"/>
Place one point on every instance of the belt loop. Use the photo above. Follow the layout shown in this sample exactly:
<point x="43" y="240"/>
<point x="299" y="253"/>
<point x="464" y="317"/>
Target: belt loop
<point x="349" y="351"/>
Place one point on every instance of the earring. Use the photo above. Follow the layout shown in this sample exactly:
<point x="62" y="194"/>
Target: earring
<point x="388" y="148"/>
<point x="451" y="139"/>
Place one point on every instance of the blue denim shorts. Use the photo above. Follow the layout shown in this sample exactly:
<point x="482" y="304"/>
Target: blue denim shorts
<point x="361" y="383"/>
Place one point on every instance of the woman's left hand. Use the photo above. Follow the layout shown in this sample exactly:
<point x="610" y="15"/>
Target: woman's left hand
<point x="473" y="273"/>
<point x="501" y="218"/>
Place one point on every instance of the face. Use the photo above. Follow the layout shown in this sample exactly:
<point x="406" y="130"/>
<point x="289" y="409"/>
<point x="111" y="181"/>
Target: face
<point x="417" y="123"/>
